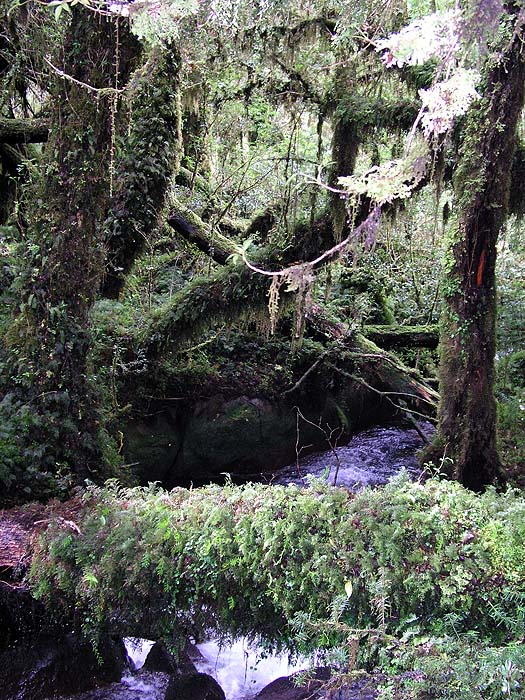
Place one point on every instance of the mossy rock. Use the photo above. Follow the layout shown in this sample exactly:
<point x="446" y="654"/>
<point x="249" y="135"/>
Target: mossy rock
<point x="244" y="437"/>
<point x="152" y="445"/>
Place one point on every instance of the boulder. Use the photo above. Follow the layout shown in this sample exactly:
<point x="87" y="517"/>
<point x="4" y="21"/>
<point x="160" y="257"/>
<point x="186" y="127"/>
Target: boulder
<point x="245" y="437"/>
<point x="363" y="688"/>
<point x="45" y="667"/>
<point x="285" y="688"/>
<point x="193" y="686"/>
<point x="161" y="660"/>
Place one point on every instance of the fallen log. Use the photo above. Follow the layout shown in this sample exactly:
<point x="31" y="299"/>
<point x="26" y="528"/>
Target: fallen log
<point x="233" y="292"/>
<point x="403" y="336"/>
<point x="251" y="560"/>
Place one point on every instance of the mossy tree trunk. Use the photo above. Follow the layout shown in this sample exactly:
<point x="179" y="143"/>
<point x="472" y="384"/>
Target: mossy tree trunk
<point x="467" y="416"/>
<point x="150" y="162"/>
<point x="345" y="147"/>
<point x="50" y="339"/>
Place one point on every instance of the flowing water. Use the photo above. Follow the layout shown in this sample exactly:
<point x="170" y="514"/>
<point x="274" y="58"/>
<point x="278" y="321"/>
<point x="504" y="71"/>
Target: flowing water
<point x="370" y="458"/>
<point x="239" y="670"/>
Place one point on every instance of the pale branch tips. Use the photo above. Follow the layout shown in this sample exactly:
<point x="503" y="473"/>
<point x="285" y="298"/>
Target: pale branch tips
<point x="435" y="35"/>
<point x="362" y="232"/>
<point x="394" y="180"/>
<point x="446" y="100"/>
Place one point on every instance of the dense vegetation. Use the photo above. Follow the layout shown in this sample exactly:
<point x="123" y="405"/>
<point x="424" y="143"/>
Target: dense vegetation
<point x="217" y="210"/>
<point x="410" y="577"/>
<point x="167" y="168"/>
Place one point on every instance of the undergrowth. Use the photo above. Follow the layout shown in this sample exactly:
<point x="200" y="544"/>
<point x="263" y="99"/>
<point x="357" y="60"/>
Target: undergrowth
<point x="425" y="581"/>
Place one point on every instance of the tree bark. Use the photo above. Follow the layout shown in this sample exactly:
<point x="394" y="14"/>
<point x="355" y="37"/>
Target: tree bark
<point x="467" y="414"/>
<point x="14" y="131"/>
<point x="50" y="339"/>
<point x="145" y="172"/>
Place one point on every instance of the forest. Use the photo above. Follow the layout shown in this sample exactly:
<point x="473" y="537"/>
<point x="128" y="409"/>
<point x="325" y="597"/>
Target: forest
<point x="234" y="234"/>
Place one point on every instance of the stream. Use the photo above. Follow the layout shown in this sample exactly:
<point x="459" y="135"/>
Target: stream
<point x="371" y="458"/>
<point x="239" y="670"/>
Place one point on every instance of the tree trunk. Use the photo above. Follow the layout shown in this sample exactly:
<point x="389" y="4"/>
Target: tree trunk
<point x="145" y="172"/>
<point x="50" y="339"/>
<point x="467" y="415"/>
<point x="345" y="147"/>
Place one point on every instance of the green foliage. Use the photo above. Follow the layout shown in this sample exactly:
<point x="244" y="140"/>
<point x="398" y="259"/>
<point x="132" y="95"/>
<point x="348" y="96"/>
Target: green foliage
<point x="452" y="668"/>
<point x="511" y="430"/>
<point x="277" y="562"/>
<point x="28" y="466"/>
<point x="510" y="389"/>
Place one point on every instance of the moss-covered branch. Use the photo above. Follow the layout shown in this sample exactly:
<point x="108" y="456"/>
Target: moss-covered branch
<point x="403" y="336"/>
<point x="196" y="231"/>
<point x="14" y="131"/>
<point x="186" y="178"/>
<point x="228" y="294"/>
<point x="233" y="292"/>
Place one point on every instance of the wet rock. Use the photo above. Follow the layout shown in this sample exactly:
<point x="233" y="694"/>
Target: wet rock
<point x="317" y="689"/>
<point x="242" y="436"/>
<point x="20" y="614"/>
<point x="161" y="660"/>
<point x="46" y="667"/>
<point x="285" y="688"/>
<point x="190" y="658"/>
<point x="194" y="686"/>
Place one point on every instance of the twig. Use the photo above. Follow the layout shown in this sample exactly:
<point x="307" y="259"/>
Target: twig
<point x="327" y="255"/>
<point x="386" y="394"/>
<point x="328" y="437"/>
<point x="91" y="88"/>
<point x="306" y="374"/>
